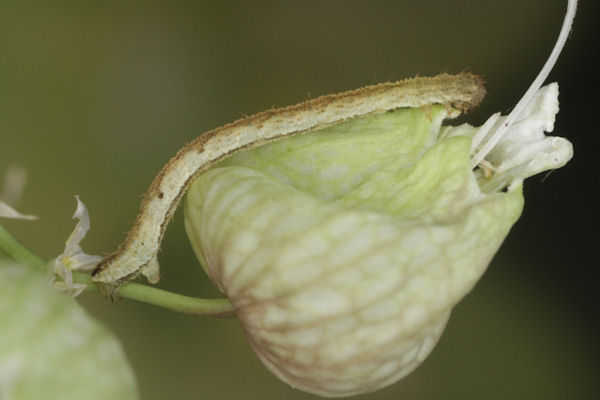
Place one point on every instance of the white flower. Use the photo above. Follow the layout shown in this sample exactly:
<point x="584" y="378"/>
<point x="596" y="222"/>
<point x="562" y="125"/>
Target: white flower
<point x="523" y="150"/>
<point x="73" y="258"/>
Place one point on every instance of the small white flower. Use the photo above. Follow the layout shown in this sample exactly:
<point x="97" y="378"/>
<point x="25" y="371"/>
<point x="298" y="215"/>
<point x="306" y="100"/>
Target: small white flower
<point x="73" y="258"/>
<point x="523" y="150"/>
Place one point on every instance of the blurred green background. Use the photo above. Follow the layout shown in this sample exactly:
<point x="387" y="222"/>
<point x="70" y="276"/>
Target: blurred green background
<point x="95" y="96"/>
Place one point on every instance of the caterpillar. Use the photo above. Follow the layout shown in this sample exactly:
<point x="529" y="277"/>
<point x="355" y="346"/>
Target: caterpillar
<point x="138" y="253"/>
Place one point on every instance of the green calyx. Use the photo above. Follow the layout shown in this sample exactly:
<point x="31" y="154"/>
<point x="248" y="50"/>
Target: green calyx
<point x="50" y="348"/>
<point x="373" y="225"/>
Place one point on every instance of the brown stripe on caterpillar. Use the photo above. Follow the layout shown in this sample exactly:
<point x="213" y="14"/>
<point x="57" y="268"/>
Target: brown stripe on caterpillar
<point x="137" y="254"/>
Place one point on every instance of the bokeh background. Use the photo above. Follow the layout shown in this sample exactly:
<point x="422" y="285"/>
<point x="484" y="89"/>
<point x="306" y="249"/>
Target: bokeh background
<point x="96" y="96"/>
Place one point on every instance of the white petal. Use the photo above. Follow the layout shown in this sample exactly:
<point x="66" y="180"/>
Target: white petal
<point x="7" y="211"/>
<point x="525" y="150"/>
<point x="83" y="225"/>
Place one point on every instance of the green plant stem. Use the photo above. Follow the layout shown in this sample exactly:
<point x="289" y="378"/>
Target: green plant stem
<point x="18" y="251"/>
<point x="219" y="308"/>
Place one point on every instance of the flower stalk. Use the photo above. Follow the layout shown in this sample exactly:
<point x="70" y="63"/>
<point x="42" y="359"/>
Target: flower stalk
<point x="212" y="308"/>
<point x="18" y="251"/>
